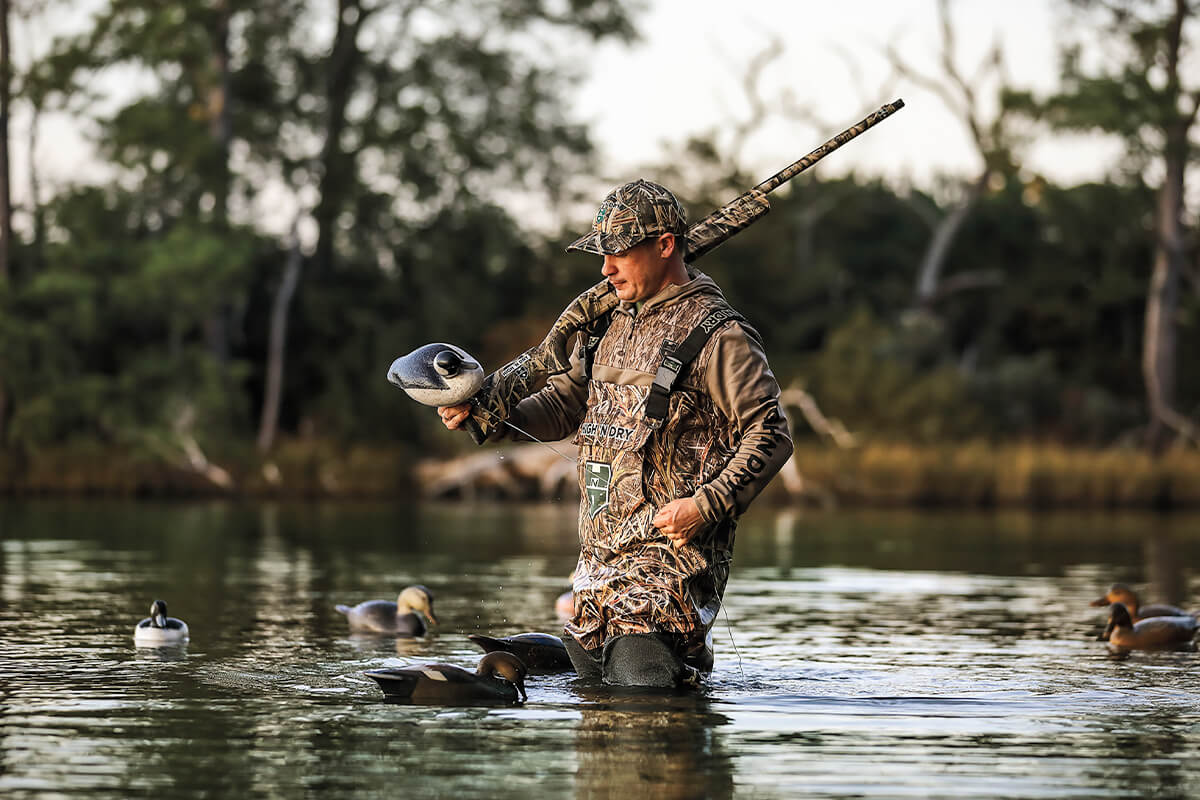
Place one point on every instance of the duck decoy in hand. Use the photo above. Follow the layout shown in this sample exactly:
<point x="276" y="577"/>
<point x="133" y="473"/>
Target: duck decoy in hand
<point x="500" y="677"/>
<point x="1149" y="634"/>
<point x="437" y="375"/>
<point x="158" y="628"/>
<point x="538" y="651"/>
<point x="1121" y="593"/>
<point x="401" y="618"/>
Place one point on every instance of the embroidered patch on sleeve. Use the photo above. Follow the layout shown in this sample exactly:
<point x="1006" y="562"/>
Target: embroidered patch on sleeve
<point x="597" y="477"/>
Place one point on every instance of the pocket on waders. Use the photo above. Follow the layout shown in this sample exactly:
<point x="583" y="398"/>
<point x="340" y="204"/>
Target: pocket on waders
<point x="610" y="464"/>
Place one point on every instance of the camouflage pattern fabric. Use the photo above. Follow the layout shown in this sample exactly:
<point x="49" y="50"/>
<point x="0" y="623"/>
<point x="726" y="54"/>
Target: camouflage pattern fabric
<point x="630" y="579"/>
<point x="521" y="377"/>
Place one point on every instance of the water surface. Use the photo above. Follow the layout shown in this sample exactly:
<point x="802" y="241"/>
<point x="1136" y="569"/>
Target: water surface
<point x="874" y="655"/>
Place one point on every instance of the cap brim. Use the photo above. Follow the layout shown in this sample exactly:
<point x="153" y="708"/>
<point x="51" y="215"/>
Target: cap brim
<point x="588" y="243"/>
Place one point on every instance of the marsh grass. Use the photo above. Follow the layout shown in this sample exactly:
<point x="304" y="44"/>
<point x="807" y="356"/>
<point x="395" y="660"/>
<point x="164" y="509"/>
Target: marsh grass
<point x="969" y="475"/>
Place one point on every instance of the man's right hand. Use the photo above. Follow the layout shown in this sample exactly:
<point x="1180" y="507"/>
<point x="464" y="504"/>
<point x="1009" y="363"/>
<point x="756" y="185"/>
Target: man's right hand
<point x="454" y="416"/>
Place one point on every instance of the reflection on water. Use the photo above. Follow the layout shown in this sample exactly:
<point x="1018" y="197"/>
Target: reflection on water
<point x="896" y="654"/>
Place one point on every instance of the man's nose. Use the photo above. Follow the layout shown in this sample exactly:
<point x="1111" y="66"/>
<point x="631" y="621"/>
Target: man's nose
<point x="610" y="268"/>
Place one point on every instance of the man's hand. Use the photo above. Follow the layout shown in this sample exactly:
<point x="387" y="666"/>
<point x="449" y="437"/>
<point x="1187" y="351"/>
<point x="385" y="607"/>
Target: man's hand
<point x="680" y="520"/>
<point x="454" y="416"/>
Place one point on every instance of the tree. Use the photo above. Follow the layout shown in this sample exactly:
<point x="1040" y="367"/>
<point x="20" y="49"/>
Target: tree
<point x="1150" y="99"/>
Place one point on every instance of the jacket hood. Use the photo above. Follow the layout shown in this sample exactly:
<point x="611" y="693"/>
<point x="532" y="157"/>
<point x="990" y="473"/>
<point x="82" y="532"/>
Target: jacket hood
<point x="699" y="284"/>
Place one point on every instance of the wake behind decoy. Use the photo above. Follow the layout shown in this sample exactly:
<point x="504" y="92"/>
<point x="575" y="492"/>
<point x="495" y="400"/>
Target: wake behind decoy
<point x="1152" y="633"/>
<point x="159" y="629"/>
<point x="500" y="677"/>
<point x="437" y="375"/>
<point x="538" y="651"/>
<point x="401" y="618"/>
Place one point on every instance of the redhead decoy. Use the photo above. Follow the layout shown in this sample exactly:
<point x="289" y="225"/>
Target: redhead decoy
<point x="1151" y="633"/>
<point x="159" y="629"/>
<point x="401" y="618"/>
<point x="500" y="677"/>
<point x="538" y="651"/>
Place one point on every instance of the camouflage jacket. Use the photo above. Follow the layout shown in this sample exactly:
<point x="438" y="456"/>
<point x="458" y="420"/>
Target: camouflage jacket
<point x="724" y="437"/>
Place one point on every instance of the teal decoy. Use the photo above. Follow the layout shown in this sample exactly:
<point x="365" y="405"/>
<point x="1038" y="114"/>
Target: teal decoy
<point x="500" y="677"/>
<point x="159" y="629"/>
<point x="401" y="618"/>
<point x="1121" y="593"/>
<point x="538" y="651"/>
<point x="1153" y="633"/>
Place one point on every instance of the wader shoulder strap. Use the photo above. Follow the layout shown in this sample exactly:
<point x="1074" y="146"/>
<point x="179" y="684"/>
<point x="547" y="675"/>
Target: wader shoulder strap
<point x="674" y="361"/>
<point x="589" y="341"/>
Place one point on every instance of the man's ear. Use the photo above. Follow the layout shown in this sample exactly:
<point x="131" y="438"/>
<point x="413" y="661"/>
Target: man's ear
<point x="666" y="245"/>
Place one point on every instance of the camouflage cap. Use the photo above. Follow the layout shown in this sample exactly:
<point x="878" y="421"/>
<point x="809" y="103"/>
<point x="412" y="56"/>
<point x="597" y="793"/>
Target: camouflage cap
<point x="632" y="213"/>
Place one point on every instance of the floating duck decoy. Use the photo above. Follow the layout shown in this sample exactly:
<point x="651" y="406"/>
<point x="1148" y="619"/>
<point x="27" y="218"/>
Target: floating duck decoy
<point x="1121" y="593"/>
<point x="400" y="618"/>
<point x="159" y="629"/>
<point x="1150" y="633"/>
<point x="538" y="651"/>
<point x="437" y="375"/>
<point x="500" y="677"/>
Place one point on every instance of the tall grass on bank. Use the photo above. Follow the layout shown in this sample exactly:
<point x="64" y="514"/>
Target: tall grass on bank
<point x="1011" y="475"/>
<point x="972" y="475"/>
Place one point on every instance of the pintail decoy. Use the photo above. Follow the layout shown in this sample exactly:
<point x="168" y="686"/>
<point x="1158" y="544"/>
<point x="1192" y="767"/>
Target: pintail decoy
<point x="159" y="629"/>
<point x="400" y="618"/>
<point x="1121" y="593"/>
<point x="1148" y="634"/>
<point x="500" y="677"/>
<point x="538" y="651"/>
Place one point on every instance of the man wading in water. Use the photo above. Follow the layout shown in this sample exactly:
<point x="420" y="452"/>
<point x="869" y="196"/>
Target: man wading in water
<point x="679" y="426"/>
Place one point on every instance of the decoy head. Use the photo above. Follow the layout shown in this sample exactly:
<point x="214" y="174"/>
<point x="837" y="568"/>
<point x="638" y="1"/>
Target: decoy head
<point x="437" y="374"/>
<point x="1118" y="617"/>
<point x="1118" y="593"/>
<point x="158" y="614"/>
<point x="416" y="598"/>
<point x="505" y="666"/>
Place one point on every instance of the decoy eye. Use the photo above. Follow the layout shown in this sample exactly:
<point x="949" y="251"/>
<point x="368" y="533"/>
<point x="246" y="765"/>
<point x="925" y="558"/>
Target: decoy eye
<point x="447" y="363"/>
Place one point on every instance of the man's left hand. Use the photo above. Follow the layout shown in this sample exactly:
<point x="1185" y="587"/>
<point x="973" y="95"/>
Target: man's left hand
<point x="680" y="520"/>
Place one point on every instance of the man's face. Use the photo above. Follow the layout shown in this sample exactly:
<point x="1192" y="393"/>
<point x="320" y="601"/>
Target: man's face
<point x="638" y="273"/>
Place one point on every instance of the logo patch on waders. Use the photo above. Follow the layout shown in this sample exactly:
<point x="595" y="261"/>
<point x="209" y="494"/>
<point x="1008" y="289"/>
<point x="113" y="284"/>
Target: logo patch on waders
<point x="597" y="477"/>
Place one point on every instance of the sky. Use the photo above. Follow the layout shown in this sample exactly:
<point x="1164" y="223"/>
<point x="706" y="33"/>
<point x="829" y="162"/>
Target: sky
<point x="686" y="77"/>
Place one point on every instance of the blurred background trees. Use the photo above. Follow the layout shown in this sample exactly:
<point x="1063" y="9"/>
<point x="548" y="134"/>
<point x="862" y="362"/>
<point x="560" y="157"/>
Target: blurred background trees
<point x="298" y="191"/>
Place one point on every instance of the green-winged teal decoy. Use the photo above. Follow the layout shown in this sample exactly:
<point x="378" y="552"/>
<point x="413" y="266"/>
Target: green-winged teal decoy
<point x="500" y="677"/>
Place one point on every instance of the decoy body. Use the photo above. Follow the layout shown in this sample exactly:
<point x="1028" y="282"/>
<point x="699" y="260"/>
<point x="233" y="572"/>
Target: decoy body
<point x="500" y="677"/>
<point x="437" y="375"/>
<point x="159" y="629"/>
<point x="1148" y="634"/>
<point x="538" y="651"/>
<point x="1121" y="593"/>
<point x="401" y="618"/>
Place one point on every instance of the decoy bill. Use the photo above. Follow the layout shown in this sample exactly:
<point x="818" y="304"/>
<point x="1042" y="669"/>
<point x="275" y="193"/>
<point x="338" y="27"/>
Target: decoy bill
<point x="401" y="618"/>
<point x="538" y="651"/>
<point x="500" y="677"/>
<point x="159" y="629"/>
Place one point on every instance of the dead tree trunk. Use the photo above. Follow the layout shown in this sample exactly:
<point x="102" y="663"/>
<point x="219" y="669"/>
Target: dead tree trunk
<point x="268" y="425"/>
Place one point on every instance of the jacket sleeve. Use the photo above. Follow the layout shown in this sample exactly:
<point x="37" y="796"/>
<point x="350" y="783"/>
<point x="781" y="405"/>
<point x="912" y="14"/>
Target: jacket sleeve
<point x="742" y="386"/>
<point x="555" y="411"/>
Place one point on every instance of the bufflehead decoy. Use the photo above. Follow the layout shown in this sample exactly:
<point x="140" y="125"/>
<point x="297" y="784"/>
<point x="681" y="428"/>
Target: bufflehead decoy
<point x="159" y="629"/>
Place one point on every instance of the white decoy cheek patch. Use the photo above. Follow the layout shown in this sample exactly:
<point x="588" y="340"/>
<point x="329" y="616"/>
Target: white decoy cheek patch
<point x="433" y="675"/>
